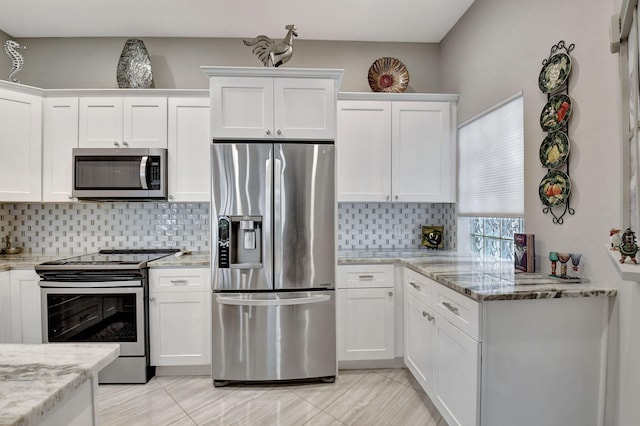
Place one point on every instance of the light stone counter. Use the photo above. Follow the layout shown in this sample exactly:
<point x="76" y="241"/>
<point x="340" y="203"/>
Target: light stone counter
<point x="482" y="280"/>
<point x="36" y="379"/>
<point x="193" y="260"/>
<point x="23" y="261"/>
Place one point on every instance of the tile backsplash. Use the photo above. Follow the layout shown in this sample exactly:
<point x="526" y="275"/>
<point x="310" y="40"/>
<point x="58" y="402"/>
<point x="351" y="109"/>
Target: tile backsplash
<point x="363" y="226"/>
<point x="77" y="228"/>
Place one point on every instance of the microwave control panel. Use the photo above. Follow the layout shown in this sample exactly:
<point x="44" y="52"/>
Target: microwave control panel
<point x="155" y="181"/>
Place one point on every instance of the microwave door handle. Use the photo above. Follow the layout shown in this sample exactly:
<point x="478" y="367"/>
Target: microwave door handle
<point x="143" y="171"/>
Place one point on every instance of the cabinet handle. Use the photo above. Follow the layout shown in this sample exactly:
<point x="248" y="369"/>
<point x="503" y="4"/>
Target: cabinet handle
<point x="181" y="282"/>
<point x="390" y="293"/>
<point x="268" y="132"/>
<point x="428" y="316"/>
<point x="279" y="132"/>
<point x="116" y="143"/>
<point x="450" y="307"/>
<point x="414" y="285"/>
<point x="365" y="277"/>
<point x="125" y="143"/>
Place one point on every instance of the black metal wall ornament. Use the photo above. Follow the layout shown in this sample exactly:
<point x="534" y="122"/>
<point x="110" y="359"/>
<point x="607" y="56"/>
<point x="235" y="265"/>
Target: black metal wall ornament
<point x="555" y="188"/>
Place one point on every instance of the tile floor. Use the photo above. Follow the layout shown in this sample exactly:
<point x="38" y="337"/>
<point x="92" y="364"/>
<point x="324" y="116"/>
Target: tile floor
<point x="358" y="397"/>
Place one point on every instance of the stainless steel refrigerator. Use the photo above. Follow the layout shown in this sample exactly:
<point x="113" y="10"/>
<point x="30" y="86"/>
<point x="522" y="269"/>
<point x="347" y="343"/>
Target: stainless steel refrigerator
<point x="273" y="261"/>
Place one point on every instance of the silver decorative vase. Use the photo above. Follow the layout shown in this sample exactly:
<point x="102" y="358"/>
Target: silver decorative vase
<point x="134" y="66"/>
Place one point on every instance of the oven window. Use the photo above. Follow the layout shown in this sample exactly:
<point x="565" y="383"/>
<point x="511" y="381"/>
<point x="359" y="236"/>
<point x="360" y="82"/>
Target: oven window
<point x="92" y="317"/>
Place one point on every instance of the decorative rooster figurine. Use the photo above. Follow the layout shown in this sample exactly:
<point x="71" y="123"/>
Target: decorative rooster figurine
<point x="272" y="53"/>
<point x="10" y="47"/>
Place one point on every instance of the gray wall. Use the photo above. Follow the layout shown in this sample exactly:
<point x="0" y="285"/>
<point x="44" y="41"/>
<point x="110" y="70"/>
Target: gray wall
<point x="497" y="50"/>
<point x="59" y="63"/>
<point x="5" y="61"/>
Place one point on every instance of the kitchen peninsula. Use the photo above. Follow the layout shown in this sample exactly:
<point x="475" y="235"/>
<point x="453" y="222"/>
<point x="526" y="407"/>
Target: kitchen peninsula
<point x="52" y="384"/>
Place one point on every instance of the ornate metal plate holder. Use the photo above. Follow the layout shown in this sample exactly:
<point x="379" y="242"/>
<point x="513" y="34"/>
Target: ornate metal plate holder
<point x="558" y="211"/>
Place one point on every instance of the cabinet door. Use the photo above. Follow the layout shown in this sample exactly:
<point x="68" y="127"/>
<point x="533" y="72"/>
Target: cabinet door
<point x="60" y="136"/>
<point x="189" y="143"/>
<point x="241" y="108"/>
<point x="363" y="151"/>
<point x="5" y="308"/>
<point x="20" y="146"/>
<point x="26" y="307"/>
<point x="100" y="124"/>
<point x="458" y="373"/>
<point x="365" y="323"/>
<point x="144" y="122"/>
<point x="180" y="328"/>
<point x="423" y="157"/>
<point x="419" y="341"/>
<point x="304" y="108"/>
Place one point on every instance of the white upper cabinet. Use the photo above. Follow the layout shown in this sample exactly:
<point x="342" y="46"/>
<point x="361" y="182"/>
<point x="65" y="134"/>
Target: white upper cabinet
<point x="396" y="147"/>
<point x="189" y="144"/>
<point x="20" y="144"/>
<point x="123" y="122"/>
<point x="261" y="103"/>
<point x="60" y="136"/>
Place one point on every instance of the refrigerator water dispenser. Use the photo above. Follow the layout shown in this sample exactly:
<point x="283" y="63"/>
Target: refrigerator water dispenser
<point x="239" y="242"/>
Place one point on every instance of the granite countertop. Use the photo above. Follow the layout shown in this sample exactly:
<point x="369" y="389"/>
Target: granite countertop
<point x="34" y="378"/>
<point x="193" y="260"/>
<point x="482" y="280"/>
<point x="24" y="260"/>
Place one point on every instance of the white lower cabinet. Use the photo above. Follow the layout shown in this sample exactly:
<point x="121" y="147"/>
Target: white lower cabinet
<point x="443" y="358"/>
<point x="365" y="313"/>
<point x="179" y="316"/>
<point x="24" y="307"/>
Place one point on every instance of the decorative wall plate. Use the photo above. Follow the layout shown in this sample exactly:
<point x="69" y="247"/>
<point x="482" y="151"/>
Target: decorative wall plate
<point x="433" y="236"/>
<point x="554" y="150"/>
<point x="554" y="188"/>
<point x="554" y="73"/>
<point x="555" y="113"/>
<point x="388" y="75"/>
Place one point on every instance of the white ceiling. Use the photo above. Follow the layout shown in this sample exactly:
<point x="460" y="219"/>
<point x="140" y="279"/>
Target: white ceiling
<point x="358" y="20"/>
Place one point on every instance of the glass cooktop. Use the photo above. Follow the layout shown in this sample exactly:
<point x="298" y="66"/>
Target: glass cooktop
<point x="109" y="259"/>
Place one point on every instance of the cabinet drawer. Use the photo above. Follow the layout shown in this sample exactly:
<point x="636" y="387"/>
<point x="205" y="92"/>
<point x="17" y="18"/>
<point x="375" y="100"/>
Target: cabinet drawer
<point x="365" y="276"/>
<point x="418" y="286"/>
<point x="460" y="310"/>
<point x="179" y="280"/>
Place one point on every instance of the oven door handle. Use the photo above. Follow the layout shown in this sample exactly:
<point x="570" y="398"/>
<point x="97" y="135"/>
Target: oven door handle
<point x="90" y="284"/>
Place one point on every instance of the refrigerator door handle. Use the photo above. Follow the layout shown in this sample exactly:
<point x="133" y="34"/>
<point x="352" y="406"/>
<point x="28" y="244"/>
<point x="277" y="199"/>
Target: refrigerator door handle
<point x="278" y="225"/>
<point x="238" y="301"/>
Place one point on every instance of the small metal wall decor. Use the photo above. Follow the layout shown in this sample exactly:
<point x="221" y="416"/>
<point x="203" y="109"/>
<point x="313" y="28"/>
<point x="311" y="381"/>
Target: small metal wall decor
<point x="17" y="61"/>
<point x="134" y="67"/>
<point x="555" y="188"/>
<point x="270" y="53"/>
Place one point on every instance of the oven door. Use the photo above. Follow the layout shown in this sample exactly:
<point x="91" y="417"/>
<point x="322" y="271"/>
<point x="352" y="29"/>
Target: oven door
<point x="100" y="315"/>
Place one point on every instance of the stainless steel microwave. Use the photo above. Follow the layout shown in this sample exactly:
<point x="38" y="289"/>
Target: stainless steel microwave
<point x="119" y="173"/>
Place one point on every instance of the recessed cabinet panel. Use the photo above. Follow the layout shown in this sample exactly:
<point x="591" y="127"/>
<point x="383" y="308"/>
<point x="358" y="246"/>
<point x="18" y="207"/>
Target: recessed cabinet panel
<point x="304" y="108"/>
<point x="364" y="151"/>
<point x="100" y="122"/>
<point x="420" y="350"/>
<point x="60" y="136"/>
<point x="144" y="123"/>
<point x="20" y="146"/>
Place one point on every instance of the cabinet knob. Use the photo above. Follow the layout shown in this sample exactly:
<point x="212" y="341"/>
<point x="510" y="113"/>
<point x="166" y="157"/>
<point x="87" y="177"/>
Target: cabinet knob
<point x="396" y="197"/>
<point x="386" y="197"/>
<point x="425" y="313"/>
<point x="70" y="197"/>
<point x="279" y="132"/>
<point x="390" y="293"/>
<point x="171" y="197"/>
<point x="116" y="143"/>
<point x="152" y="299"/>
<point x="268" y="131"/>
<point x="125" y="143"/>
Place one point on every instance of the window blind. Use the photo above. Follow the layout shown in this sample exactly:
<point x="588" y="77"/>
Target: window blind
<point x="491" y="162"/>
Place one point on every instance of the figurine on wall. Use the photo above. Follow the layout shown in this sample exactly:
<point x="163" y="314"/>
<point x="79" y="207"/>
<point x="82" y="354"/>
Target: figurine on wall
<point x="11" y="46"/>
<point x="628" y="246"/>
<point x="615" y="238"/>
<point x="272" y="53"/>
